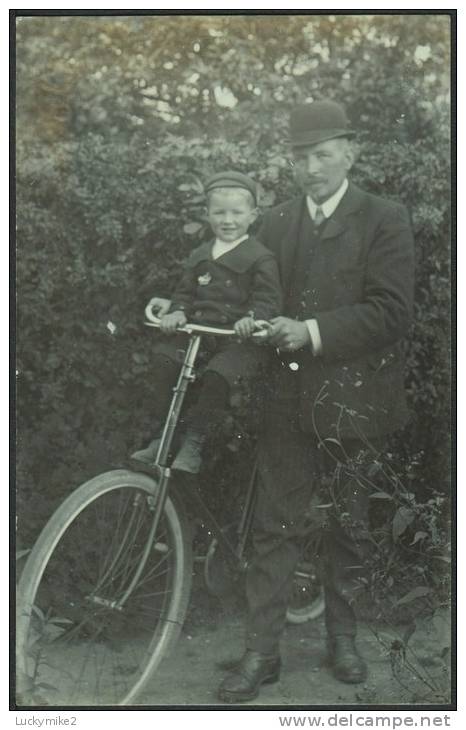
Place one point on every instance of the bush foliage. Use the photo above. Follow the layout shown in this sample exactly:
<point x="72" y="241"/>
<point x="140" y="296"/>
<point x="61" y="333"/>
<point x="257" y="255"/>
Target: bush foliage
<point x="118" y="122"/>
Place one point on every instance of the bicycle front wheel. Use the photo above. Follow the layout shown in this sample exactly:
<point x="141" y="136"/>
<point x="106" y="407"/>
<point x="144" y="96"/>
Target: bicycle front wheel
<point x="82" y="638"/>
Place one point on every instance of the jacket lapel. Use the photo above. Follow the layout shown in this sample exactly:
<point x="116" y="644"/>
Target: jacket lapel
<point x="335" y="226"/>
<point x="289" y="244"/>
<point x="338" y="221"/>
<point x="241" y="257"/>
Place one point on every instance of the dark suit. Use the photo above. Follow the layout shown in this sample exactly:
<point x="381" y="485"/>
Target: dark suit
<point x="356" y="280"/>
<point x="360" y="289"/>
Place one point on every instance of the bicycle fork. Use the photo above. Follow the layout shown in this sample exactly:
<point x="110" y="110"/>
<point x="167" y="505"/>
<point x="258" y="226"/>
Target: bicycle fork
<point x="179" y="392"/>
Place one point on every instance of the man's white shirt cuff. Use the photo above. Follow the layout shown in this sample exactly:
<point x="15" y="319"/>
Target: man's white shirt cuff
<point x="314" y="334"/>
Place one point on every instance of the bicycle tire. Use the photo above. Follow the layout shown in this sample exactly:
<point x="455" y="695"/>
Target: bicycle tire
<point x="307" y="600"/>
<point x="94" y="652"/>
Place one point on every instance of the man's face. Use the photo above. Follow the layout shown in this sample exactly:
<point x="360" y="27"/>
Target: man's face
<point x="230" y="212"/>
<point x="321" y="168"/>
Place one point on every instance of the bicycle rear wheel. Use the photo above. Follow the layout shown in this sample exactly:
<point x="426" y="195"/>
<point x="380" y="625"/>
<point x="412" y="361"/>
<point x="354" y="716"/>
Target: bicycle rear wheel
<point x="76" y="644"/>
<point x="307" y="600"/>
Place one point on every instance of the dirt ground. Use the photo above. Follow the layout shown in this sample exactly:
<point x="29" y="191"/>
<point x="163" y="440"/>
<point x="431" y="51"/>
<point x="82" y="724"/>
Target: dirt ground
<point x="213" y="632"/>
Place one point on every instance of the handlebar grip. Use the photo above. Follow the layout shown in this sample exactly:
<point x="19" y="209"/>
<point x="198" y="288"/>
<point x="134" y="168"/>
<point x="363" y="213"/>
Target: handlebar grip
<point x="262" y="329"/>
<point x="261" y="333"/>
<point x="149" y="312"/>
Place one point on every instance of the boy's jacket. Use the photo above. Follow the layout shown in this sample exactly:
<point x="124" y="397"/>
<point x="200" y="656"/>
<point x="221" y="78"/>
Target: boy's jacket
<point x="241" y="282"/>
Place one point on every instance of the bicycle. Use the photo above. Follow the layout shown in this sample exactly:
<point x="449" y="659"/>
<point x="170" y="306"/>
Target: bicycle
<point x="105" y="590"/>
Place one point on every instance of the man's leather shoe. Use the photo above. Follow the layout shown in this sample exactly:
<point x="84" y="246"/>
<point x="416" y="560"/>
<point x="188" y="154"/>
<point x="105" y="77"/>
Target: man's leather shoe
<point x="347" y="664"/>
<point x="250" y="672"/>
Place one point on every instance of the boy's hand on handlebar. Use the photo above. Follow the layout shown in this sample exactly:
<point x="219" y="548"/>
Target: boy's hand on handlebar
<point x="169" y="323"/>
<point x="244" y="327"/>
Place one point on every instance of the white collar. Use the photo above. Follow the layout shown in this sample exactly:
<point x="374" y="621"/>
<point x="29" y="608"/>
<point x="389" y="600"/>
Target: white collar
<point x="227" y="245"/>
<point x="330" y="205"/>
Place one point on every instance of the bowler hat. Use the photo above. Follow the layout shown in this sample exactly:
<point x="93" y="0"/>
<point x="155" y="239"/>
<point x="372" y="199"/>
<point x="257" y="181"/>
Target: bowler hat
<point x="318" y="122"/>
<point x="231" y="179"/>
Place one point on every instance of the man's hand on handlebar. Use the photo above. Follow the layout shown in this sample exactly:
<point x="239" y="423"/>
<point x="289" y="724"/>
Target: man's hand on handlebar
<point x="169" y="323"/>
<point x="288" y="334"/>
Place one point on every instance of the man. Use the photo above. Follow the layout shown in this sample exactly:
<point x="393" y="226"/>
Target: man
<point x="346" y="264"/>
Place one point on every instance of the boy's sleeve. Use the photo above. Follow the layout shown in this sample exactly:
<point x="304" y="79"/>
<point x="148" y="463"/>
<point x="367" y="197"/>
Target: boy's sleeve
<point x="266" y="298"/>
<point x="185" y="291"/>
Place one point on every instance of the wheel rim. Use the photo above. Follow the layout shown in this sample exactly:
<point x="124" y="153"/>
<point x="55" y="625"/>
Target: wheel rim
<point x="80" y="645"/>
<point x="307" y="598"/>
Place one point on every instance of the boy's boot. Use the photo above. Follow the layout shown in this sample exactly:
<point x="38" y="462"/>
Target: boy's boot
<point x="188" y="458"/>
<point x="147" y="455"/>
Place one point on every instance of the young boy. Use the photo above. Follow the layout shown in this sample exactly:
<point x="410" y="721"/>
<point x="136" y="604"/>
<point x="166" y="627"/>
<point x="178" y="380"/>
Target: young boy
<point x="230" y="280"/>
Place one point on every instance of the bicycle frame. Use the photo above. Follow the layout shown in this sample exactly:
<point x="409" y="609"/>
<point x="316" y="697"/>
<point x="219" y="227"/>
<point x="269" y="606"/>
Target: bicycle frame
<point x="187" y="376"/>
<point x="137" y="576"/>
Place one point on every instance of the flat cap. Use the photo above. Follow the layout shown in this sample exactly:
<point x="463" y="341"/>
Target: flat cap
<point x="317" y="122"/>
<point x="231" y="179"/>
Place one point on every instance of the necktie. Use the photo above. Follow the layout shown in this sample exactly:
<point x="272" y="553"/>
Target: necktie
<point x="319" y="216"/>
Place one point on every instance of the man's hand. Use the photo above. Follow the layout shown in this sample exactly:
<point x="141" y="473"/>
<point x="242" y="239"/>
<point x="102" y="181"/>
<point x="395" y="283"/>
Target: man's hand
<point x="169" y="323"/>
<point x="244" y="327"/>
<point x="288" y="334"/>
<point x="160" y="305"/>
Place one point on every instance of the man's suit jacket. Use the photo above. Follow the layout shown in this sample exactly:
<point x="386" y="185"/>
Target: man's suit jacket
<point x="360" y="290"/>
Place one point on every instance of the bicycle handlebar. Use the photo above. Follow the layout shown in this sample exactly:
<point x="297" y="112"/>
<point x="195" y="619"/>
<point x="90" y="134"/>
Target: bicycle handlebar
<point x="189" y="328"/>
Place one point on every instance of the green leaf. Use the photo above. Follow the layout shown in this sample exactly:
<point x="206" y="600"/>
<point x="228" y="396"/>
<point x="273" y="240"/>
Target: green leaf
<point x="58" y="620"/>
<point x="402" y="519"/>
<point x="418" y="592"/>
<point x="380" y="495"/>
<point x="38" y="613"/>
<point x="419" y="536"/>
<point x="192" y="228"/>
<point x="45" y="685"/>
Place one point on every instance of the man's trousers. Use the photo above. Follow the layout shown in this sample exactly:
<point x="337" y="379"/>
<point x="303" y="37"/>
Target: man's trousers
<point x="295" y="473"/>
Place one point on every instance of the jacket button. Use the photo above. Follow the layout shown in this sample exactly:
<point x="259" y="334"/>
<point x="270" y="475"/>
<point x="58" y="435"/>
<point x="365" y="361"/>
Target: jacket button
<point x="198" y="314"/>
<point x="228" y="282"/>
<point x="223" y="318"/>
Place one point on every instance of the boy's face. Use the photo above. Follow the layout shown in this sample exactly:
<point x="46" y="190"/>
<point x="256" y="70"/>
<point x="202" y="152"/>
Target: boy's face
<point x="230" y="212"/>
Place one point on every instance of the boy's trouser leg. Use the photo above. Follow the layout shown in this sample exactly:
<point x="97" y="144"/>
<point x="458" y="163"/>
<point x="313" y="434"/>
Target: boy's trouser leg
<point x="203" y="421"/>
<point x="212" y="405"/>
